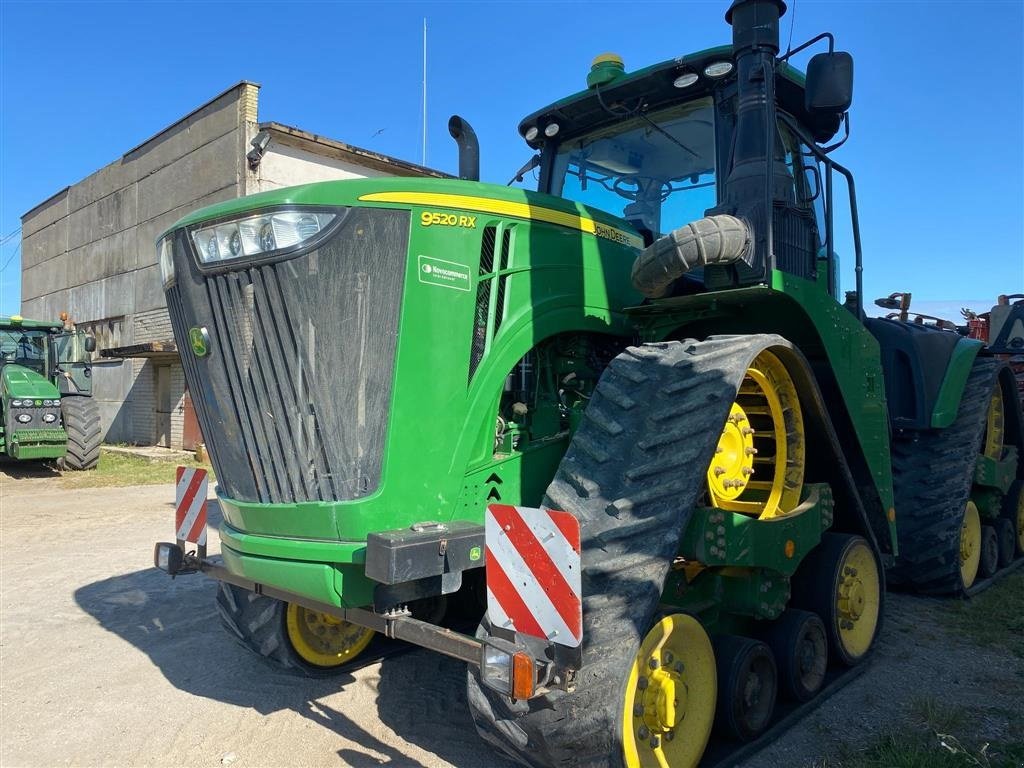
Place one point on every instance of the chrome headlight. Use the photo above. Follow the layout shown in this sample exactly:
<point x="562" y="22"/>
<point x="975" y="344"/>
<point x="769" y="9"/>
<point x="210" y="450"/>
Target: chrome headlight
<point x="258" y="235"/>
<point x="165" y="250"/>
<point x="49" y="418"/>
<point x="16" y="403"/>
<point x="24" y="418"/>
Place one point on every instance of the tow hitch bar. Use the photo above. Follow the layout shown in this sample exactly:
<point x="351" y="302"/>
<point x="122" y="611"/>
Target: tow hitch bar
<point x="399" y="624"/>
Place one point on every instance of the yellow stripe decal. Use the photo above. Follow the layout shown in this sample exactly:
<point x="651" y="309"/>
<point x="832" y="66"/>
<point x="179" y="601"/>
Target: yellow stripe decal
<point x="507" y="208"/>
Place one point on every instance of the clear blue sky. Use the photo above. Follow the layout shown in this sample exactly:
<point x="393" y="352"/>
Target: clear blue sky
<point x="937" y="115"/>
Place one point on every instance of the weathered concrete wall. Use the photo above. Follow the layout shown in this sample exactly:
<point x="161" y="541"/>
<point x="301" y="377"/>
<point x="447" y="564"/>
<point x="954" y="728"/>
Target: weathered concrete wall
<point x="89" y="250"/>
<point x="286" y="166"/>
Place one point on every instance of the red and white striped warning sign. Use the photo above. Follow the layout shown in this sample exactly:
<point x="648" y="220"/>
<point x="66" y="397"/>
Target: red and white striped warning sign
<point x="190" y="505"/>
<point x="533" y="572"/>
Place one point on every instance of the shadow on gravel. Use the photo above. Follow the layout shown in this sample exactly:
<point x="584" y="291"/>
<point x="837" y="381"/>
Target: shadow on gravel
<point x="420" y="695"/>
<point x="26" y="470"/>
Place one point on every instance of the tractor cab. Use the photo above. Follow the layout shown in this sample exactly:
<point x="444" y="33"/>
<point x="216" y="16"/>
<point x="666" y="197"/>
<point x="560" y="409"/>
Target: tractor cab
<point x="685" y="139"/>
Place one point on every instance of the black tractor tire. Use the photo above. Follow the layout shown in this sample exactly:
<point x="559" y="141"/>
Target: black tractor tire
<point x="1006" y="536"/>
<point x="257" y="623"/>
<point x="989" y="563"/>
<point x="81" y="416"/>
<point x="747" y="687"/>
<point x="632" y="474"/>
<point x="932" y="475"/>
<point x="799" y="643"/>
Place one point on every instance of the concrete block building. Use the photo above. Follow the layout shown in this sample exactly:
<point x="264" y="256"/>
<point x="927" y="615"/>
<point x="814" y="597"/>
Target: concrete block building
<point x="89" y="249"/>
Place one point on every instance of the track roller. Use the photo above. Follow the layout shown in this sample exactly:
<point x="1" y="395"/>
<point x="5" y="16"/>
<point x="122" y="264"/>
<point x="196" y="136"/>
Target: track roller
<point x="1013" y="510"/>
<point x="1006" y="539"/>
<point x="970" y="545"/>
<point x="799" y="642"/>
<point x="669" y="705"/>
<point x="747" y="687"/>
<point x="840" y="581"/>
<point x="988" y="562"/>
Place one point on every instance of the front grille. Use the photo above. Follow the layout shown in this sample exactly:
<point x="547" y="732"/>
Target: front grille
<point x="296" y="387"/>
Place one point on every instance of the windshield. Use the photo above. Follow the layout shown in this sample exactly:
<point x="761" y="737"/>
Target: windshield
<point x="657" y="171"/>
<point x="27" y="348"/>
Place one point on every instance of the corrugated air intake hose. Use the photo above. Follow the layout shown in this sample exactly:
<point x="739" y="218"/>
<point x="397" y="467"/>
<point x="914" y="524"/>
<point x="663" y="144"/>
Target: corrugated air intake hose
<point x="713" y="240"/>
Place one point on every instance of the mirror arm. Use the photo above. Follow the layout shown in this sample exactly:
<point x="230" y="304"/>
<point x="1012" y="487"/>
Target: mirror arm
<point x="846" y="131"/>
<point x="823" y="36"/>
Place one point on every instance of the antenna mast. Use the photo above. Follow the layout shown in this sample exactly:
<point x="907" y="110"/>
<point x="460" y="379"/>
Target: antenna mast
<point x="424" y="156"/>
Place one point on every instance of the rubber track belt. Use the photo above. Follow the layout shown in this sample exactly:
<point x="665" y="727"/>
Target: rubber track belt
<point x="632" y="474"/>
<point x="932" y="475"/>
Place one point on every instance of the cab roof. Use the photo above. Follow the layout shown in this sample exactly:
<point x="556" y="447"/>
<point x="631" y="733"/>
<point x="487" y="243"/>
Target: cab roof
<point x="653" y="88"/>
<point x="8" y="322"/>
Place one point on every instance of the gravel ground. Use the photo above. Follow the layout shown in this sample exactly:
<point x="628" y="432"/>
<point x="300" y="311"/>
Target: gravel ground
<point x="105" y="661"/>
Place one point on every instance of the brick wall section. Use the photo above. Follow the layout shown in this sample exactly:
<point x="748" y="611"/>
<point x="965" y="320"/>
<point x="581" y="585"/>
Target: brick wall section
<point x="152" y="325"/>
<point x="142" y="404"/>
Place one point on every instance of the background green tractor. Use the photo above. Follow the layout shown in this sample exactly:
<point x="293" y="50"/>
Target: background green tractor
<point x="46" y="405"/>
<point x="652" y="342"/>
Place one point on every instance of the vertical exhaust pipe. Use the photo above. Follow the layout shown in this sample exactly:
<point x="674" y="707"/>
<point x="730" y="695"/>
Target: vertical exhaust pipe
<point x="749" y="187"/>
<point x="469" y="148"/>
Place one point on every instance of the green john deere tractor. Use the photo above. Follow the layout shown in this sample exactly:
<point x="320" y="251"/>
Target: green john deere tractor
<point x="651" y="342"/>
<point x="46" y="405"/>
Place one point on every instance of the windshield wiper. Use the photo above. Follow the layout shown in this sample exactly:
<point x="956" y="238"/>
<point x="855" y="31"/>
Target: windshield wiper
<point x="532" y="163"/>
<point x="666" y="134"/>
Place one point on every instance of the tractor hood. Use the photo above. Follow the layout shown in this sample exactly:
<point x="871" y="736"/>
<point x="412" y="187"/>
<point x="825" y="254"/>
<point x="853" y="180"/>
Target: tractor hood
<point x="17" y="381"/>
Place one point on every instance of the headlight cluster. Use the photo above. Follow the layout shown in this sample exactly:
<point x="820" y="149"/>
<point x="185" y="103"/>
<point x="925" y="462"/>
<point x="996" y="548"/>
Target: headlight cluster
<point x="166" y="252"/>
<point x="47" y="417"/>
<point x="258" y="235"/>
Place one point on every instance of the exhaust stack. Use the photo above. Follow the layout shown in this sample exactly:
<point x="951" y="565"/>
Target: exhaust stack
<point x="469" y="148"/>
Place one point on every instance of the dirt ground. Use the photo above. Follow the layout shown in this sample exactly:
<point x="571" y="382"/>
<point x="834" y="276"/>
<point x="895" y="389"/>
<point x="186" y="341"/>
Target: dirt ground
<point x="105" y="661"/>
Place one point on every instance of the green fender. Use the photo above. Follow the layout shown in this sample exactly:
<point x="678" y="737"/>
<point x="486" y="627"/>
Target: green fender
<point x="952" y="390"/>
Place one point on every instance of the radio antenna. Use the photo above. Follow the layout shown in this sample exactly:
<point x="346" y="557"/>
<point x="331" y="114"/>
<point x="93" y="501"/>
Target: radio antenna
<point x="424" y="154"/>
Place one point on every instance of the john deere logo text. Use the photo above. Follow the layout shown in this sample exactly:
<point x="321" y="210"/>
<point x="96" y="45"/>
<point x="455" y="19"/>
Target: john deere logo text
<point x="199" y="338"/>
<point x="446" y="274"/>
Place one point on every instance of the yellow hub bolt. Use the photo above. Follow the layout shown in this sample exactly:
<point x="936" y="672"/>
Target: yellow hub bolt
<point x="733" y="465"/>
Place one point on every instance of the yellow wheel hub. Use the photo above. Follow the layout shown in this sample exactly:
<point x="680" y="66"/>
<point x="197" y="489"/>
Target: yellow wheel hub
<point x="970" y="545"/>
<point x="733" y="464"/>
<point x="858" y="599"/>
<point x="995" y="426"/>
<point x="669" y="706"/>
<point x="324" y="640"/>
<point x="758" y="467"/>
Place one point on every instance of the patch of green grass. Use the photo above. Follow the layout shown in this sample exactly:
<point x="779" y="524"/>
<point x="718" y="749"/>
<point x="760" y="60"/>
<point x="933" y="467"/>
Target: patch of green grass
<point x="996" y="616"/>
<point x="916" y="748"/>
<point x="119" y="469"/>
<point x="937" y="735"/>
<point x="933" y="715"/>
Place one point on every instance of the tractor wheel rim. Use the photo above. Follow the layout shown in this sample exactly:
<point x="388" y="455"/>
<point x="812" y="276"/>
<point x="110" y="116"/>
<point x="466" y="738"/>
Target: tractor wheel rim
<point x="858" y="599"/>
<point x="324" y="640"/>
<point x="733" y="465"/>
<point x="970" y="545"/>
<point x="813" y="658"/>
<point x="758" y="467"/>
<point x="995" y="426"/>
<point x="669" y="706"/>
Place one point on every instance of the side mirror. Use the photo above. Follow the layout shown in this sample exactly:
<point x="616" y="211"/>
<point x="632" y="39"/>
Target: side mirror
<point x="829" y="85"/>
<point x="90" y="343"/>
